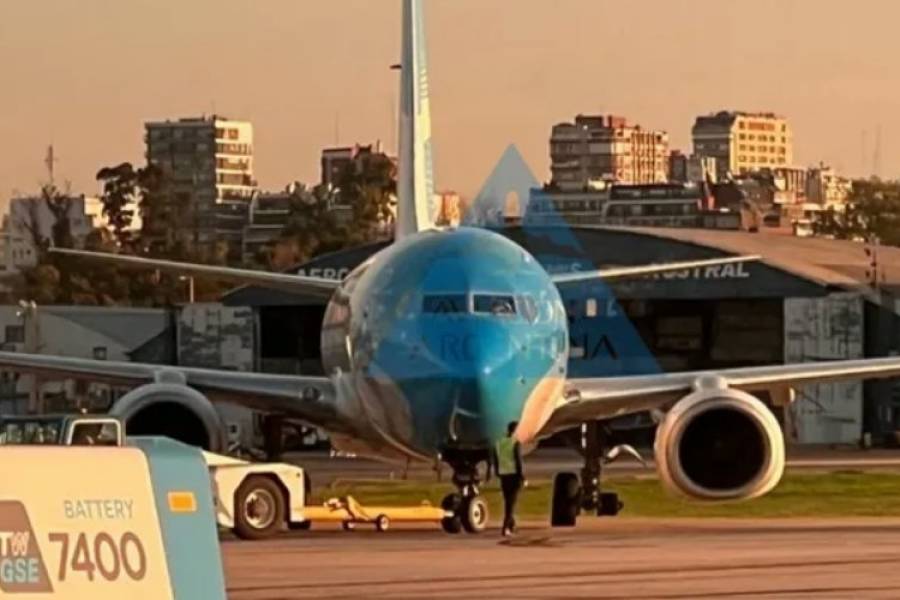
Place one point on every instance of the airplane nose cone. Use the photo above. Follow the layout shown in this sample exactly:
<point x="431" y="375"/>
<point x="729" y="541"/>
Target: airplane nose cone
<point x="488" y="395"/>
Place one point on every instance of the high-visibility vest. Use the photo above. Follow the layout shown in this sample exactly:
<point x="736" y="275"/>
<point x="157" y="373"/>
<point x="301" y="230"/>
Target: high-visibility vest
<point x="506" y="456"/>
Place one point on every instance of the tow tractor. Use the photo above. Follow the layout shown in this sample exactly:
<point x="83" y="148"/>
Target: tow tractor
<point x="254" y="500"/>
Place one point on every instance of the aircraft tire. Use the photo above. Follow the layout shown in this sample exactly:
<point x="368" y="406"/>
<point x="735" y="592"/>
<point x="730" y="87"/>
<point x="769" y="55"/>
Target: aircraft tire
<point x="452" y="503"/>
<point x="610" y="505"/>
<point x="452" y="525"/>
<point x="475" y="514"/>
<point x="566" y="500"/>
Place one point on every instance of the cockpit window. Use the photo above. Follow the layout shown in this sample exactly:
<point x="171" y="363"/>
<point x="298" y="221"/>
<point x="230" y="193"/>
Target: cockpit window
<point x="444" y="304"/>
<point x="495" y="304"/>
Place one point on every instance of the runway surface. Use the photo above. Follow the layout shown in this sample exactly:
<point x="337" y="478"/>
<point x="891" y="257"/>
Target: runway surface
<point x="624" y="558"/>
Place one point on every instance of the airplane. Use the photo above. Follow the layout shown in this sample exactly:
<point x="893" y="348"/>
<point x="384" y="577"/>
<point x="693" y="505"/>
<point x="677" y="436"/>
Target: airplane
<point x="435" y="344"/>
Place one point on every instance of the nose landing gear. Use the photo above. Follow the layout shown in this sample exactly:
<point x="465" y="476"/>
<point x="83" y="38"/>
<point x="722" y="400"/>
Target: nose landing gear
<point x="470" y="513"/>
<point x="469" y="508"/>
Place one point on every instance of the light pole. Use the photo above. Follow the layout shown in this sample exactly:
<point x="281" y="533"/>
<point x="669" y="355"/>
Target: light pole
<point x="395" y="114"/>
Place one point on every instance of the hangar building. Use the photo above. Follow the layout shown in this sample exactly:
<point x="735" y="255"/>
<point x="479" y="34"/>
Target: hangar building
<point x="810" y="299"/>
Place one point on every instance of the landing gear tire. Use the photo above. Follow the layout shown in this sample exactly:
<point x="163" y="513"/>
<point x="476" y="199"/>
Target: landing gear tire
<point x="466" y="509"/>
<point x="452" y="504"/>
<point x="348" y="525"/>
<point x="566" y="500"/>
<point x="452" y="524"/>
<point x="609" y="505"/>
<point x="474" y="514"/>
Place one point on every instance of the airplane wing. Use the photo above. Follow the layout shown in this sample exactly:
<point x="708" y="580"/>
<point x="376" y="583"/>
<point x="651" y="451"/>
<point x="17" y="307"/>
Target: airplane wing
<point x="608" y="397"/>
<point x="287" y="282"/>
<point x="310" y="399"/>
<point x="644" y="270"/>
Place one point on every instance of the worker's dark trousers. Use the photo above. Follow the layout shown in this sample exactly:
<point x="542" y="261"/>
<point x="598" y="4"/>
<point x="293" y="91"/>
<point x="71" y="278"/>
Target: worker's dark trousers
<point x="510" y="484"/>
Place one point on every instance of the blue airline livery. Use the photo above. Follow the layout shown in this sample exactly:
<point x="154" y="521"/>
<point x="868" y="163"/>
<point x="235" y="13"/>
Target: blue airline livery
<point x="435" y="344"/>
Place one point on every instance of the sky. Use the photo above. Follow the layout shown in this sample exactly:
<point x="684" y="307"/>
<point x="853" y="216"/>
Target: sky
<point x="84" y="75"/>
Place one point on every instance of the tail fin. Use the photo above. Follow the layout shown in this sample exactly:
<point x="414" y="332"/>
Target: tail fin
<point x="415" y="184"/>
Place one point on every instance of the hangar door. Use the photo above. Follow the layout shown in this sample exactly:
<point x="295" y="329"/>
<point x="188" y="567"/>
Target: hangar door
<point x="819" y="329"/>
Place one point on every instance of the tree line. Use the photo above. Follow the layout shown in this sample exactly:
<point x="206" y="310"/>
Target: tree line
<point x="357" y="210"/>
<point x="872" y="214"/>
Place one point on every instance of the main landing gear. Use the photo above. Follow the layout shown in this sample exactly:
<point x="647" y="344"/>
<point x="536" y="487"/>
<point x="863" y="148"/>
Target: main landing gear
<point x="571" y="495"/>
<point x="469" y="508"/>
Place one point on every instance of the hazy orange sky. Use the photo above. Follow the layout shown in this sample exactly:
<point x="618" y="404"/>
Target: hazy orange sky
<point x="86" y="74"/>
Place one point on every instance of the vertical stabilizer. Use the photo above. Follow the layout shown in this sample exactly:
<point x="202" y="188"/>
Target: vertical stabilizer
<point x="415" y="182"/>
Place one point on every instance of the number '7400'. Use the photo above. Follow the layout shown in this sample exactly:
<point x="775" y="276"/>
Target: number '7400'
<point x="103" y="555"/>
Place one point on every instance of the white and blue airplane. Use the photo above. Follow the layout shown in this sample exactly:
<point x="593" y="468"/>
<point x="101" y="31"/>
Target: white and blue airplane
<point x="435" y="344"/>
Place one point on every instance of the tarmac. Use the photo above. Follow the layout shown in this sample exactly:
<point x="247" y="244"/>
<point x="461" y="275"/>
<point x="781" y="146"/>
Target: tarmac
<point x="622" y="557"/>
<point x="601" y="558"/>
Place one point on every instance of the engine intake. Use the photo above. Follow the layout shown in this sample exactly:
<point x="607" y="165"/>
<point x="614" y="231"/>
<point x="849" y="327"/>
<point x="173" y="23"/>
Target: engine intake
<point x="173" y="410"/>
<point x="720" y="444"/>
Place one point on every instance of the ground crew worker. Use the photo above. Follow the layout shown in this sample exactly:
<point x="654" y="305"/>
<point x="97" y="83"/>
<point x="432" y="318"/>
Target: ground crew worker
<point x="508" y="466"/>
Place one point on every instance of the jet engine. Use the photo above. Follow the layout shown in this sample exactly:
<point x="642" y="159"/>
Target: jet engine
<point x="719" y="444"/>
<point x="174" y="410"/>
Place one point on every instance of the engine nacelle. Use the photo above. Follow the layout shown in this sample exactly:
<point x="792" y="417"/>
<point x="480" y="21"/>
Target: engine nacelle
<point x="175" y="410"/>
<point x="719" y="444"/>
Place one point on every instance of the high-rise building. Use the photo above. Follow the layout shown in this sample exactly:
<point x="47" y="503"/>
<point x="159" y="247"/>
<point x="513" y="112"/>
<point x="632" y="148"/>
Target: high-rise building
<point x="609" y="149"/>
<point x="208" y="162"/>
<point x="743" y="142"/>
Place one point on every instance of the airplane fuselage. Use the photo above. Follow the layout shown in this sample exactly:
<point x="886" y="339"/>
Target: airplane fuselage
<point x="441" y="340"/>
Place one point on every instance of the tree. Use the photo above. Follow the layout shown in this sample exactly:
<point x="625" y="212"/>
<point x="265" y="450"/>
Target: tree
<point x="872" y="211"/>
<point x="58" y="279"/>
<point x="41" y="284"/>
<point x="368" y="185"/>
<point x="312" y="227"/>
<point x="120" y="191"/>
<point x="322" y="219"/>
<point x="51" y="277"/>
<point x="159" y="223"/>
<point x="145" y="191"/>
<point x="60" y="206"/>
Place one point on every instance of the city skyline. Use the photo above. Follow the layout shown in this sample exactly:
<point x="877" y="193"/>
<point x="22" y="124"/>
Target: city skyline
<point x="502" y="72"/>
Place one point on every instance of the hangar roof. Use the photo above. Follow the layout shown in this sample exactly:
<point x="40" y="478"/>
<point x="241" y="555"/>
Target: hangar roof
<point x="829" y="262"/>
<point x="791" y="265"/>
